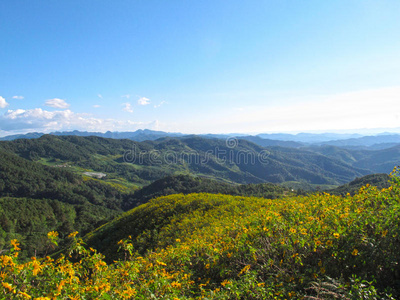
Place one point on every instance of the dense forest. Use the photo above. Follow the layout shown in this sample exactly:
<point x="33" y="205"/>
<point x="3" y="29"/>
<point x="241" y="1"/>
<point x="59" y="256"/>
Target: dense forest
<point x="35" y="199"/>
<point x="140" y="163"/>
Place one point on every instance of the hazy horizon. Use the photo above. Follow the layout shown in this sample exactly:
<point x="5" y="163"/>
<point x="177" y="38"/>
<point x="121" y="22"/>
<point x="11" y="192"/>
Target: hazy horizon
<point x="360" y="132"/>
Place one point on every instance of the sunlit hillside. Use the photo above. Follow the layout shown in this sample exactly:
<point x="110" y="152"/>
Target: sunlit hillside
<point x="207" y="246"/>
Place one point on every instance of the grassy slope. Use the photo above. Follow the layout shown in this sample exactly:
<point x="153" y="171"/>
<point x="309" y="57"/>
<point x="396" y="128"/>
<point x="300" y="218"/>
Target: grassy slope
<point x="265" y="246"/>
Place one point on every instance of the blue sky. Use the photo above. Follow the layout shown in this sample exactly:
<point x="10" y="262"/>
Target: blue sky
<point x="199" y="66"/>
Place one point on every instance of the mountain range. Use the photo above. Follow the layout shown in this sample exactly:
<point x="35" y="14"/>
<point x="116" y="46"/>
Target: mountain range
<point x="243" y="162"/>
<point x="352" y="141"/>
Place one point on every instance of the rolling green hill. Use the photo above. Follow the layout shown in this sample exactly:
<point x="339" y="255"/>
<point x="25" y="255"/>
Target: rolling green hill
<point x="126" y="162"/>
<point x="242" y="247"/>
<point x="377" y="161"/>
<point x="381" y="181"/>
<point x="187" y="184"/>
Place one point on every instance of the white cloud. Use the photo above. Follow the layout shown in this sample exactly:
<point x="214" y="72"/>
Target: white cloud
<point x="100" y="96"/>
<point x="18" y="97"/>
<point x="158" y="105"/>
<point x="3" y="102"/>
<point x="126" y="96"/>
<point x="57" y="103"/>
<point x="22" y="121"/>
<point x="144" y="101"/>
<point x="96" y="106"/>
<point x="127" y="107"/>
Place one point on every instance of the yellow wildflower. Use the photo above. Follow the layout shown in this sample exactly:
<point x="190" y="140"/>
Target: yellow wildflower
<point x="225" y="282"/>
<point x="24" y="295"/>
<point x="244" y="270"/>
<point x="7" y="286"/>
<point x="73" y="234"/>
<point x="52" y="234"/>
<point x="355" y="252"/>
<point x="36" y="267"/>
<point x="175" y="284"/>
<point x="161" y="263"/>
<point x="5" y="260"/>
<point x="15" y="244"/>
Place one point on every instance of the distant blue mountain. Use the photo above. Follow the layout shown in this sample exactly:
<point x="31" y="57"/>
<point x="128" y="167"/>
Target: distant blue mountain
<point x="310" y="138"/>
<point x="268" y="142"/>
<point x="366" y="141"/>
<point x="138" y="135"/>
<point x="356" y="141"/>
<point x="31" y="135"/>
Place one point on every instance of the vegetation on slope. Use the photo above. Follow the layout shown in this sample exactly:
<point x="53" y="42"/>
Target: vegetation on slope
<point x="29" y="221"/>
<point x="35" y="199"/>
<point x="22" y="178"/>
<point x="380" y="181"/>
<point x="187" y="184"/>
<point x="226" y="247"/>
<point x="377" y="161"/>
<point x="142" y="163"/>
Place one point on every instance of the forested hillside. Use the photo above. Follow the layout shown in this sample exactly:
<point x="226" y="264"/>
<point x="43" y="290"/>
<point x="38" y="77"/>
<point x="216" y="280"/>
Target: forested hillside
<point x="35" y="199"/>
<point x="227" y="247"/>
<point x="377" y="161"/>
<point x="126" y="161"/>
<point x="23" y="178"/>
<point x="381" y="181"/>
